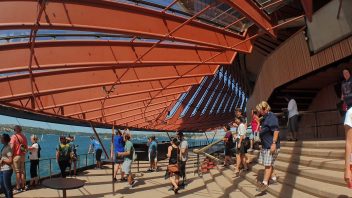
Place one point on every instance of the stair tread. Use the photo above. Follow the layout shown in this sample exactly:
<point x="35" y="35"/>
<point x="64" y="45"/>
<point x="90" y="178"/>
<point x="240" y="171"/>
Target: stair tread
<point x="250" y="181"/>
<point x="334" y="164"/>
<point x="280" y="190"/>
<point x="213" y="188"/>
<point x="312" y="172"/>
<point x="318" y="188"/>
<point x="315" y="152"/>
<point x="331" y="144"/>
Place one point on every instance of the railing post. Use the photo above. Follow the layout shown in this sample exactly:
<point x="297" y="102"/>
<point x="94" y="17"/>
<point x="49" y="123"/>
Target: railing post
<point x="50" y="167"/>
<point x="316" y="125"/>
<point x="198" y="164"/>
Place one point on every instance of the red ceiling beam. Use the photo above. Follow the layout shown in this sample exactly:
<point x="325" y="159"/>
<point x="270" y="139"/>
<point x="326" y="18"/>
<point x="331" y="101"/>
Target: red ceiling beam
<point x="252" y="12"/>
<point x="101" y="15"/>
<point x="102" y="53"/>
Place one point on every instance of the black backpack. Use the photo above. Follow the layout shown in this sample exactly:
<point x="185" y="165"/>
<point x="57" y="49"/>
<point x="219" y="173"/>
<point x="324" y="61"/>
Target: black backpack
<point x="39" y="149"/>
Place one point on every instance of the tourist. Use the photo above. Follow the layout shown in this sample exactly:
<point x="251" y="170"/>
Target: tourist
<point x="269" y="135"/>
<point x="152" y="151"/>
<point x="95" y="147"/>
<point x="119" y="146"/>
<point x="34" y="154"/>
<point x="228" y="140"/>
<point x="129" y="155"/>
<point x="19" y="147"/>
<point x="63" y="155"/>
<point x="73" y="161"/>
<point x="183" y="157"/>
<point x="346" y="96"/>
<point x="241" y="151"/>
<point x="6" y="166"/>
<point x="255" y="127"/>
<point x="292" y="118"/>
<point x="173" y="169"/>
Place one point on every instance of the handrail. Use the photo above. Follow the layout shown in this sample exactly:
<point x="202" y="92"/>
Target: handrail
<point x="202" y="151"/>
<point x="309" y="112"/>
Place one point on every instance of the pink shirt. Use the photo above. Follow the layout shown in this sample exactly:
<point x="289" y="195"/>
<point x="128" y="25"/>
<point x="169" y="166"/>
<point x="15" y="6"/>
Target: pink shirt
<point x="15" y="141"/>
<point x="255" y="123"/>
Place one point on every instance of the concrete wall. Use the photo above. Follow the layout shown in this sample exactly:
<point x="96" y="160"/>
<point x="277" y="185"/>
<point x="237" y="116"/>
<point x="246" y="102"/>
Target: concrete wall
<point x="292" y="60"/>
<point x="325" y="99"/>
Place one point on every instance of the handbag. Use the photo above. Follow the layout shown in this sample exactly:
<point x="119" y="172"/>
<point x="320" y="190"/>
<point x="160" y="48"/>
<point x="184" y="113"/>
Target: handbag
<point x="173" y="168"/>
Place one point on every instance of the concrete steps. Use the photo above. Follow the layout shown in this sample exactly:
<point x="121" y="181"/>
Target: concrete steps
<point x="314" y="152"/>
<point x="321" y="163"/>
<point x="312" y="187"/>
<point x="305" y="170"/>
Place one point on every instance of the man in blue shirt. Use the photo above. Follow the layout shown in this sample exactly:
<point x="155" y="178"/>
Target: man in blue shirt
<point x="269" y="136"/>
<point x="95" y="147"/>
<point x="152" y="151"/>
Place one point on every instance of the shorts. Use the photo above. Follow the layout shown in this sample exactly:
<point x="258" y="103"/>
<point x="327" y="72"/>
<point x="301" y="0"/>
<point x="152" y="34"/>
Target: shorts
<point x="293" y="123"/>
<point x="242" y="149"/>
<point x="152" y="157"/>
<point x="348" y="118"/>
<point x="266" y="158"/>
<point x="98" y="153"/>
<point x="18" y="164"/>
<point x="118" y="159"/>
<point x="126" y="166"/>
<point x="228" y="151"/>
<point x="183" y="169"/>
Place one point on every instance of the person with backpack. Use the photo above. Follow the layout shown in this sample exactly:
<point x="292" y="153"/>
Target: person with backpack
<point x="130" y="156"/>
<point x="70" y="140"/>
<point x="63" y="153"/>
<point x="6" y="166"/>
<point x="19" y="147"/>
<point x="34" y="155"/>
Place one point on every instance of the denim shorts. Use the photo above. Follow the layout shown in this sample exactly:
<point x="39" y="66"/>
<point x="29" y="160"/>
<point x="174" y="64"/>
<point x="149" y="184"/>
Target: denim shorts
<point x="126" y="166"/>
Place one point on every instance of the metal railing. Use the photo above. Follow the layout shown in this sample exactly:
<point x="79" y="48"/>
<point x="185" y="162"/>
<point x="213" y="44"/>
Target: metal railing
<point x="48" y="167"/>
<point x="204" y="151"/>
<point x="318" y="120"/>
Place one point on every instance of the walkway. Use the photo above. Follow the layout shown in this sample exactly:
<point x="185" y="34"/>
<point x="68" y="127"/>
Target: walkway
<point x="98" y="184"/>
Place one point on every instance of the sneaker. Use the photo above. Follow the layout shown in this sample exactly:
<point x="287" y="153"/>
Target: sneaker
<point x="250" y="150"/>
<point x="26" y="188"/>
<point x="132" y="185"/>
<point x="171" y="188"/>
<point x="17" y="191"/>
<point x="261" y="187"/>
<point x="114" y="180"/>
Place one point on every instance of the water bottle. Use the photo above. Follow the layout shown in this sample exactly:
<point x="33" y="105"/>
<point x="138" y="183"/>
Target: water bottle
<point x="350" y="183"/>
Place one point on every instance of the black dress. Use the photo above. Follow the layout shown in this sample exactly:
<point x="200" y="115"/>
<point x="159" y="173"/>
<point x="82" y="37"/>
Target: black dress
<point x="172" y="160"/>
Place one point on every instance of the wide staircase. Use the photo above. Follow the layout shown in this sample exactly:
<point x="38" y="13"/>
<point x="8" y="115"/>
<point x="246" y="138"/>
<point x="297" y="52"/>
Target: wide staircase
<point x="304" y="169"/>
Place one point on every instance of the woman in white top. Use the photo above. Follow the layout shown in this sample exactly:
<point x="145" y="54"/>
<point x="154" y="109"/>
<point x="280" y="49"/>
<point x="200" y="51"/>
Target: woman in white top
<point x="241" y="147"/>
<point x="6" y="166"/>
<point x="34" y="160"/>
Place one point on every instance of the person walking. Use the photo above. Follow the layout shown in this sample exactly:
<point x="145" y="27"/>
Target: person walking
<point x="269" y="136"/>
<point x="73" y="156"/>
<point x="228" y="140"/>
<point x="119" y="146"/>
<point x="19" y="147"/>
<point x="6" y="166"/>
<point x="96" y="147"/>
<point x="241" y="158"/>
<point x="292" y="118"/>
<point x="152" y="151"/>
<point x="183" y="157"/>
<point x="346" y="96"/>
<point x="128" y="155"/>
<point x="63" y="155"/>
<point x="34" y="155"/>
<point x="255" y="128"/>
<point x="173" y="169"/>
